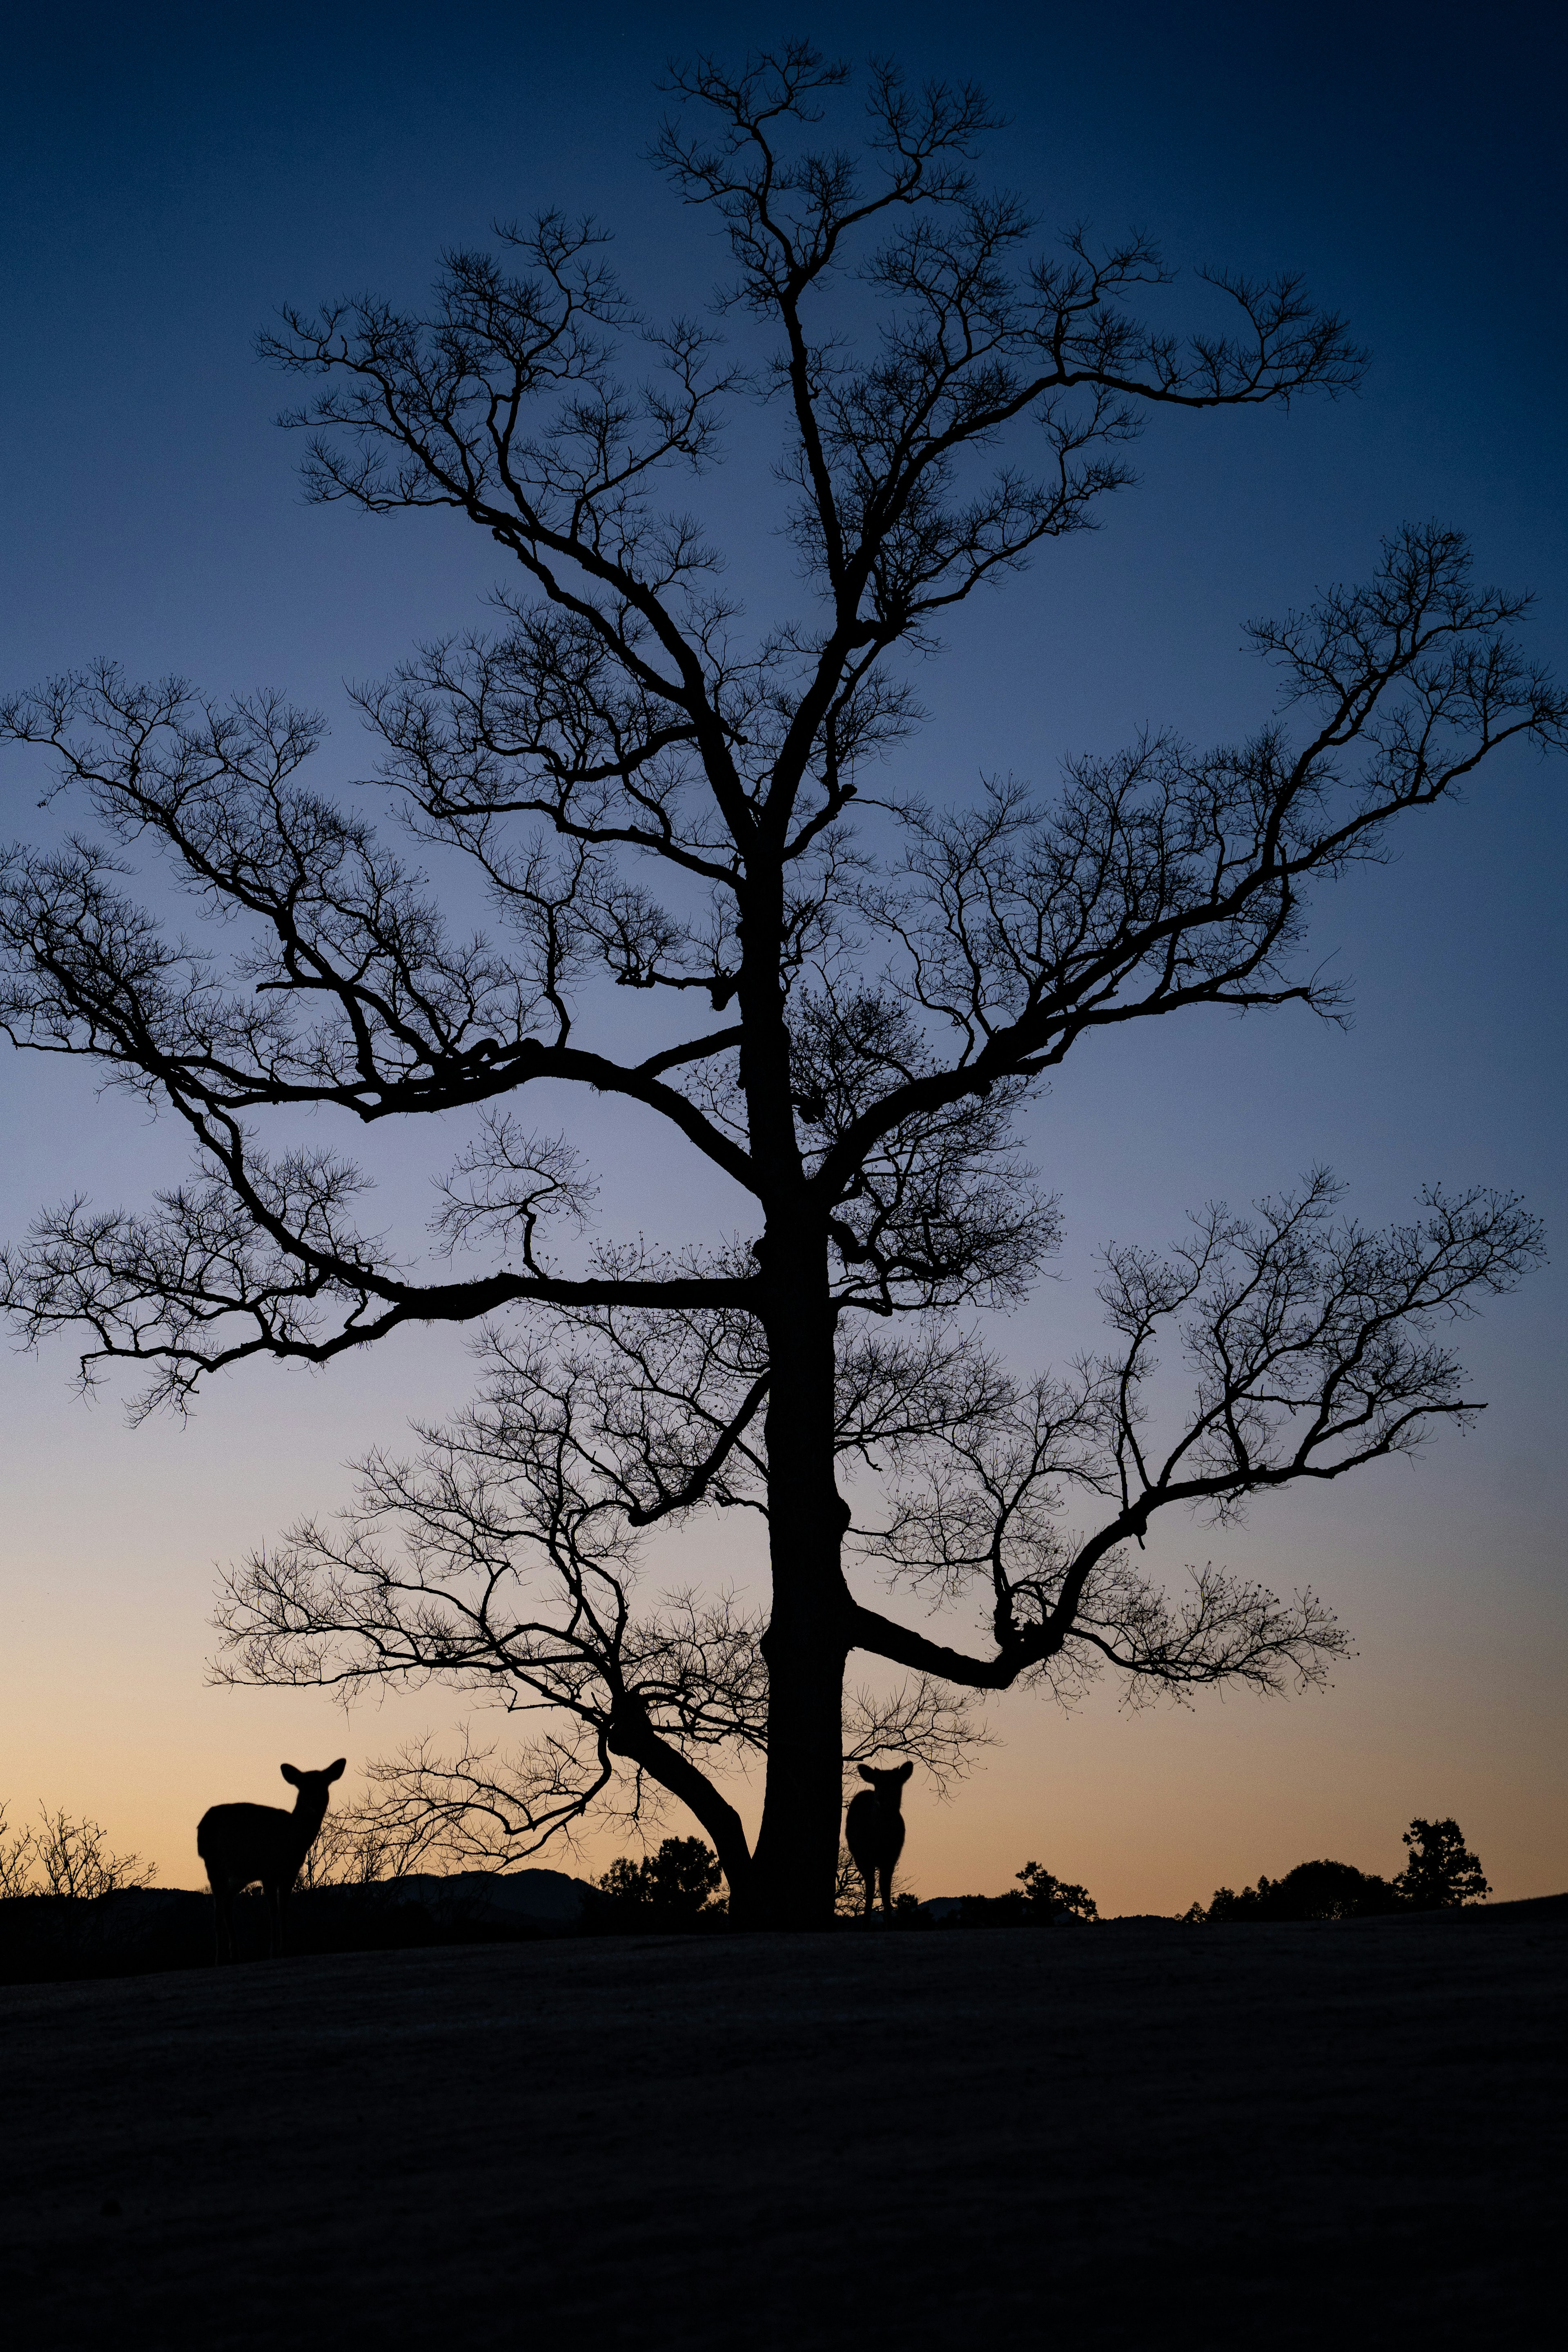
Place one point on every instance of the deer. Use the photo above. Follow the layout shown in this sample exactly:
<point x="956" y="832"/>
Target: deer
<point x="874" y="1826"/>
<point x="243" y="1843"/>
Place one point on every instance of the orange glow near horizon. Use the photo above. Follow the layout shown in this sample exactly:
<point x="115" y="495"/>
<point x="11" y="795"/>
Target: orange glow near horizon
<point x="1450" y="1708"/>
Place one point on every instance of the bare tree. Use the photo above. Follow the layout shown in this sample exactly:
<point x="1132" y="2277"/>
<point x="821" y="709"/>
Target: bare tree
<point x="657" y="793"/>
<point x="16" y="1858"/>
<point x="62" y="1857"/>
<point x="502" y="1560"/>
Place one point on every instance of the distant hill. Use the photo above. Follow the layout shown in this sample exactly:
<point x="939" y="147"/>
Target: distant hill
<point x="48" y="1937"/>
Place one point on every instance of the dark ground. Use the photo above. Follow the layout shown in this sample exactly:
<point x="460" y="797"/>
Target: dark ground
<point x="1130" y="2135"/>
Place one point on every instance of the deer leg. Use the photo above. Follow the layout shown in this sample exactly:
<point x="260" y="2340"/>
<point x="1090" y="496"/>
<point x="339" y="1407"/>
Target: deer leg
<point x="869" y="1880"/>
<point x="218" y="1922"/>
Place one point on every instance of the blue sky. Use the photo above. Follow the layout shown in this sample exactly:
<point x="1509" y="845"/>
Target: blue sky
<point x="172" y="175"/>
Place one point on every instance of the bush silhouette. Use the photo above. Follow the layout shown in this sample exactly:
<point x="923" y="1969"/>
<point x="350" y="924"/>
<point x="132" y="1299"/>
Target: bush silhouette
<point x="1440" y="1875"/>
<point x="1314" y="1890"/>
<point x="673" y="1887"/>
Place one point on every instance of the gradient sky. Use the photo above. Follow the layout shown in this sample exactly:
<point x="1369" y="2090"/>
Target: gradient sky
<point x="170" y="177"/>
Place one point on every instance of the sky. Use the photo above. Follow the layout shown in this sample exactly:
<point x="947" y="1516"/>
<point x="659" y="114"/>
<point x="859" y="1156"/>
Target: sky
<point x="170" y="176"/>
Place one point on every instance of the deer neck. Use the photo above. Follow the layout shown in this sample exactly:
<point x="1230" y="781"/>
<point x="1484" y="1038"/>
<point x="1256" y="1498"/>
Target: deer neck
<point x="309" y="1812"/>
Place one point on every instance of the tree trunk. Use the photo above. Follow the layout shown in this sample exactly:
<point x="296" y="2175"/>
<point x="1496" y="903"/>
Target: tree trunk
<point x="633" y="1736"/>
<point x="795" y="1864"/>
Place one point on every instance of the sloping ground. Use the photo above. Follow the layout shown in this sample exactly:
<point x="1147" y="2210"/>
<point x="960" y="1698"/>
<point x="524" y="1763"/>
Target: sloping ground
<point x="1135" y="2135"/>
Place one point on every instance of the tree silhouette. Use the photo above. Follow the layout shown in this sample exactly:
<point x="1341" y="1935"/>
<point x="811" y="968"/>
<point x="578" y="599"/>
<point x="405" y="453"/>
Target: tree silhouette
<point x="1054" y="1894"/>
<point x="671" y="1887"/>
<point x="657" y="793"/>
<point x="1442" y="1873"/>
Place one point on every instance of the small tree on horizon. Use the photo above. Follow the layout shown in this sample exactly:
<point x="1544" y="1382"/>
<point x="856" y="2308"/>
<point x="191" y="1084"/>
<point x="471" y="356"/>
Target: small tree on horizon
<point x="1054" y="1894"/>
<point x="659" y="794"/>
<point x="1441" y="1874"/>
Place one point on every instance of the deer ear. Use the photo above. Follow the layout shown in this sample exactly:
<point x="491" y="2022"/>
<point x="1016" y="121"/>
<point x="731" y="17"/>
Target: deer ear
<point x="867" y="1774"/>
<point x="290" y="1775"/>
<point x="336" y="1771"/>
<point x="904" y="1770"/>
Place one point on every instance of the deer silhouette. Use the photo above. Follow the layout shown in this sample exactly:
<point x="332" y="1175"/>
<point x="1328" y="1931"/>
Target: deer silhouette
<point x="241" y="1844"/>
<point x="874" y="1829"/>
